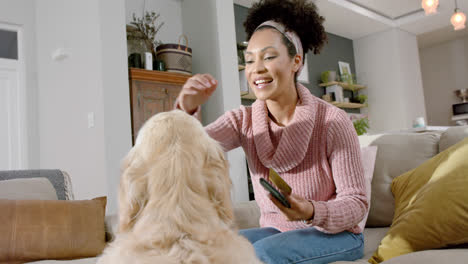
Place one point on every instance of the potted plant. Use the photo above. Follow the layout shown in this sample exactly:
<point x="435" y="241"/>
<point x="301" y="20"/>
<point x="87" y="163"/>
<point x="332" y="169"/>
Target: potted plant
<point x="361" y="99"/>
<point x="144" y="30"/>
<point x="361" y="125"/>
<point x="328" y="76"/>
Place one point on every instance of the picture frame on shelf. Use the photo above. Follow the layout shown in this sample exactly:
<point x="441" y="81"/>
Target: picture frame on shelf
<point x="336" y="93"/>
<point x="345" y="70"/>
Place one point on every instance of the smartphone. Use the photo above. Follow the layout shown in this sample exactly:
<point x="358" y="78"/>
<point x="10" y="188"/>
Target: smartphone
<point x="278" y="196"/>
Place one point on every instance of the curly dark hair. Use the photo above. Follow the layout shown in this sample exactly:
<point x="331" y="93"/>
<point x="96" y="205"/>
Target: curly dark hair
<point x="300" y="16"/>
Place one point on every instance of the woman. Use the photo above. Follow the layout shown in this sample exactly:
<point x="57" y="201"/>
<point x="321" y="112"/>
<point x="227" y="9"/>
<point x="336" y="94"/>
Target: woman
<point x="310" y="143"/>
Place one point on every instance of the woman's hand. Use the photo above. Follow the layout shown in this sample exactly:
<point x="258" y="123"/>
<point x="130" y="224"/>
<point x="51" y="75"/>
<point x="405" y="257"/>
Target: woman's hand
<point x="196" y="91"/>
<point x="301" y="209"/>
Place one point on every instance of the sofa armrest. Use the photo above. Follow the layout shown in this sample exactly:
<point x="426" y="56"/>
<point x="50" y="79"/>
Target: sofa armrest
<point x="246" y="215"/>
<point x="112" y="224"/>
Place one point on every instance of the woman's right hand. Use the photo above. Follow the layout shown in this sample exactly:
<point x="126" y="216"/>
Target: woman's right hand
<point x="196" y="91"/>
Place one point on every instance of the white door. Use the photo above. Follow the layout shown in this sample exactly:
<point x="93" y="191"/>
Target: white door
<point x="10" y="155"/>
<point x="13" y="141"/>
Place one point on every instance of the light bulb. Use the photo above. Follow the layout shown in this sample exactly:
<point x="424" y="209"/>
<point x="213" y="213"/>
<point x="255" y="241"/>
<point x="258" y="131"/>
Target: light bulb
<point x="458" y="20"/>
<point x="430" y="6"/>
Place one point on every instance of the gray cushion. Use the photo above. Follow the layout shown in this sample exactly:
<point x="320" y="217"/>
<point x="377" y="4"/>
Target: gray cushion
<point x="396" y="154"/>
<point x="27" y="189"/>
<point x="372" y="238"/>
<point x="451" y="136"/>
<point x="59" y="179"/>
<point x="452" y="256"/>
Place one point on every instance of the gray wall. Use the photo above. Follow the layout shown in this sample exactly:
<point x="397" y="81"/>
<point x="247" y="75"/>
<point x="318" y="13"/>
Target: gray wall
<point x="337" y="49"/>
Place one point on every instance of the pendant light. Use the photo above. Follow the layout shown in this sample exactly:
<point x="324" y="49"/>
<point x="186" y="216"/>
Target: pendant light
<point x="458" y="18"/>
<point x="430" y="6"/>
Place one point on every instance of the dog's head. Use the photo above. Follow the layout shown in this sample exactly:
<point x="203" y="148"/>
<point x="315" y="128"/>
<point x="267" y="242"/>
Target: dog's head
<point x="174" y="170"/>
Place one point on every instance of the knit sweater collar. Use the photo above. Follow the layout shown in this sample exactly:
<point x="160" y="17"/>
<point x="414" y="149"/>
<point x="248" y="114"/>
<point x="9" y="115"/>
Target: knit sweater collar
<point x="295" y="138"/>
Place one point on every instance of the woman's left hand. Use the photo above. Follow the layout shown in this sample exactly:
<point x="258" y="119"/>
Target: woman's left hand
<point x="301" y="209"/>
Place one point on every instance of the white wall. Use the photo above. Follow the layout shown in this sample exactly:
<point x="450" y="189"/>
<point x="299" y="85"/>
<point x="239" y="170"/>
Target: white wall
<point x="214" y="51"/>
<point x="444" y="69"/>
<point x="92" y="79"/>
<point x="69" y="90"/>
<point x="388" y="63"/>
<point x="171" y="15"/>
<point x="116" y="93"/>
<point x="22" y="13"/>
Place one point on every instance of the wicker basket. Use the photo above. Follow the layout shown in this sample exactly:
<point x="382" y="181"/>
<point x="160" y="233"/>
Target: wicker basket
<point x="176" y="57"/>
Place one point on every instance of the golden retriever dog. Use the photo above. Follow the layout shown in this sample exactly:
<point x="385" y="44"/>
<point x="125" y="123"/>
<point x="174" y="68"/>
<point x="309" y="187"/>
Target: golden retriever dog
<point x="174" y="199"/>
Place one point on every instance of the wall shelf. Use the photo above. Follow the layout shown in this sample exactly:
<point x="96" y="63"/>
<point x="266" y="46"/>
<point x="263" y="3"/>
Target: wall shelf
<point x="157" y="76"/>
<point x="337" y="88"/>
<point x="346" y="86"/>
<point x="348" y="105"/>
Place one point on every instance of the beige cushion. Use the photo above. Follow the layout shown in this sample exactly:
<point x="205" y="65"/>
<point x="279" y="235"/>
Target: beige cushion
<point x="451" y="136"/>
<point x="368" y="155"/>
<point x="246" y="215"/>
<point x="27" y="189"/>
<point x="75" y="261"/>
<point x="396" y="154"/>
<point x="44" y="229"/>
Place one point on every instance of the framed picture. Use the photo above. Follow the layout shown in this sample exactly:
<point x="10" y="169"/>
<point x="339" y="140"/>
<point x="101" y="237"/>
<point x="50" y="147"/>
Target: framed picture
<point x="345" y="70"/>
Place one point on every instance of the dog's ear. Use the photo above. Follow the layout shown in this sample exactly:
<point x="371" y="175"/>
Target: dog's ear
<point x="132" y="191"/>
<point x="219" y="183"/>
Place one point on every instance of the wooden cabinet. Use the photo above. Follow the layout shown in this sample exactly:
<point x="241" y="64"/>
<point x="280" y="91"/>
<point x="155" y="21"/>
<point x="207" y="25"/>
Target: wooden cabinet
<point x="152" y="92"/>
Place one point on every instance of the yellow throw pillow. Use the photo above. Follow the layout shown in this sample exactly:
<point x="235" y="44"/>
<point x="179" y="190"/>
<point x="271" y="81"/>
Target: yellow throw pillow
<point x="431" y="206"/>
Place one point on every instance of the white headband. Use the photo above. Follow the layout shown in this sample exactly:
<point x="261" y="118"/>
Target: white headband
<point x="290" y="35"/>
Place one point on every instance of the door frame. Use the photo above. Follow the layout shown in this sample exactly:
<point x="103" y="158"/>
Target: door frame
<point x="20" y="67"/>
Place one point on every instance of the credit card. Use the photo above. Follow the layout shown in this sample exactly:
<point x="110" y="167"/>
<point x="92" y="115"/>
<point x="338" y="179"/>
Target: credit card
<point x="279" y="182"/>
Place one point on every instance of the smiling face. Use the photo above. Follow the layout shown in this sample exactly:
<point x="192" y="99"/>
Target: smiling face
<point x="269" y="69"/>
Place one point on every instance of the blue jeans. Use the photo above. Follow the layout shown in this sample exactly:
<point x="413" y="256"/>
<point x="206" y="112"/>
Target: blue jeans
<point x="304" y="246"/>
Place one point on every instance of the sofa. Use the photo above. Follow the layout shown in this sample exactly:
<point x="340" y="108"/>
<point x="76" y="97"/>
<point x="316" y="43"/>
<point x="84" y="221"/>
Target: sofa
<point x="396" y="154"/>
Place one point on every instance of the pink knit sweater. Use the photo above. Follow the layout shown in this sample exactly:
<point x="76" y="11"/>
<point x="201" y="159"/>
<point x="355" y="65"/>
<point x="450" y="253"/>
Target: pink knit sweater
<point x="317" y="154"/>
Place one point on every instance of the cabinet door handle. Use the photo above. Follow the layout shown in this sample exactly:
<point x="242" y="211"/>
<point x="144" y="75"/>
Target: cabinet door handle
<point x="165" y="91"/>
<point x="138" y="100"/>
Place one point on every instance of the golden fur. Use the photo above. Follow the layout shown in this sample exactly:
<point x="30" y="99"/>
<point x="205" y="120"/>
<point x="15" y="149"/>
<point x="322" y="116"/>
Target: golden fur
<point x="174" y="199"/>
